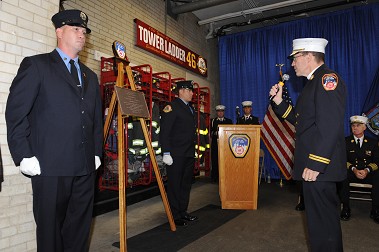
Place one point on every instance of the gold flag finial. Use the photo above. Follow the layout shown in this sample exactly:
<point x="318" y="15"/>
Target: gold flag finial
<point x="280" y="66"/>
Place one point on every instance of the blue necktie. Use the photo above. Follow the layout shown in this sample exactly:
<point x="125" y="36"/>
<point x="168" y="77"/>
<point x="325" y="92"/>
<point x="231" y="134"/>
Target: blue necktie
<point x="74" y="72"/>
<point x="189" y="106"/>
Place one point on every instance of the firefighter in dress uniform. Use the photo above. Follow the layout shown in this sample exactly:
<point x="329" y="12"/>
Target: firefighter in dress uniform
<point x="320" y="153"/>
<point x="220" y="119"/>
<point x="247" y="118"/>
<point x="362" y="166"/>
<point x="55" y="129"/>
<point x="178" y="136"/>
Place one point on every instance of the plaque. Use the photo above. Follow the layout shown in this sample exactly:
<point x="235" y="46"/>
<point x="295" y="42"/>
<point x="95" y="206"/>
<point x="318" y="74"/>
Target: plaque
<point x="132" y="103"/>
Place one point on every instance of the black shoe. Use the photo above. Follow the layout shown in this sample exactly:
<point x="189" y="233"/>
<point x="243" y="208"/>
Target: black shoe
<point x="188" y="217"/>
<point x="374" y="214"/>
<point x="345" y="213"/>
<point x="300" y="206"/>
<point x="180" y="223"/>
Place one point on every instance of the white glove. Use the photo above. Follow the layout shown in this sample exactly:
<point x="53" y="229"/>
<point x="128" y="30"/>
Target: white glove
<point x="97" y="162"/>
<point x="30" y="166"/>
<point x="167" y="159"/>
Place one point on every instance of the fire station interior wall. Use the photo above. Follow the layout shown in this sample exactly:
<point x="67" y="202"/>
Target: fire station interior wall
<point x="113" y="20"/>
<point x="26" y="29"/>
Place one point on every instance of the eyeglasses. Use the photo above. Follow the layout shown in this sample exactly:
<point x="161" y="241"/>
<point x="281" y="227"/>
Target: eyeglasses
<point x="294" y="58"/>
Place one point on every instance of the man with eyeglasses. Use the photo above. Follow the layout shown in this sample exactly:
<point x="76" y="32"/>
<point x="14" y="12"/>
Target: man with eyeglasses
<point x="320" y="152"/>
<point x="178" y="136"/>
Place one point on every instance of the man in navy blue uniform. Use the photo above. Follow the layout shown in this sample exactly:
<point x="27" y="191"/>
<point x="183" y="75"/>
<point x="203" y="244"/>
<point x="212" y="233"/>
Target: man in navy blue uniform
<point x="320" y="153"/>
<point x="178" y="136"/>
<point x="247" y="117"/>
<point x="55" y="131"/>
<point x="362" y="166"/>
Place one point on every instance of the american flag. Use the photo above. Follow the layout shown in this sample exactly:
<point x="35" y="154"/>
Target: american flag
<point x="278" y="136"/>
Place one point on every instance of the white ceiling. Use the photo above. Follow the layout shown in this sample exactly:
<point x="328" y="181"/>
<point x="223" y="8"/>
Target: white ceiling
<point x="239" y="15"/>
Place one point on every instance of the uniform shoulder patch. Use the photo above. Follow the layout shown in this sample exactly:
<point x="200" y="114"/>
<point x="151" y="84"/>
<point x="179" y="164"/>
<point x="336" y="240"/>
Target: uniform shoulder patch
<point x="330" y="81"/>
<point x="167" y="109"/>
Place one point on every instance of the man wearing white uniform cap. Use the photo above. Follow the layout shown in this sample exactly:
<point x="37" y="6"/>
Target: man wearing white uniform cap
<point x="362" y="166"/>
<point x="220" y="119"/>
<point x="247" y="117"/>
<point x="320" y="153"/>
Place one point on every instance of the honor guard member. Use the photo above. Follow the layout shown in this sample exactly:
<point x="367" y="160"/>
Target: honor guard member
<point x="247" y="118"/>
<point x="178" y="136"/>
<point x="362" y="166"/>
<point x="320" y="152"/>
<point x="55" y="129"/>
<point x="220" y="119"/>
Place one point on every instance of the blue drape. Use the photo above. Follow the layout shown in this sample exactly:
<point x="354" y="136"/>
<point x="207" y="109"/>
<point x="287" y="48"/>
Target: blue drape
<point x="247" y="60"/>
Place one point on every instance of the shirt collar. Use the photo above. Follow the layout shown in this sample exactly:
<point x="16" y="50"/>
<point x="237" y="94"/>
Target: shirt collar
<point x="311" y="73"/>
<point x="360" y="139"/>
<point x="183" y="101"/>
<point x="66" y="59"/>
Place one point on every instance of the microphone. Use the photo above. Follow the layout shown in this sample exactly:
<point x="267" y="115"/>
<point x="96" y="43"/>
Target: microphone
<point x="285" y="78"/>
<point x="237" y="111"/>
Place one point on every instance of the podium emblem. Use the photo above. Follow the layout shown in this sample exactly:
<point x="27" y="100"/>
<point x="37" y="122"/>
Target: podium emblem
<point x="239" y="144"/>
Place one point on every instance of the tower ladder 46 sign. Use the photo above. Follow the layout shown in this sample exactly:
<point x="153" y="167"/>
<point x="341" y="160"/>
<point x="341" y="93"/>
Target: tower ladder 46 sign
<point x="156" y="42"/>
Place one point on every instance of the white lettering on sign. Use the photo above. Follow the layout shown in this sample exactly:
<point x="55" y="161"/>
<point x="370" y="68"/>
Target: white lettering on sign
<point x="154" y="40"/>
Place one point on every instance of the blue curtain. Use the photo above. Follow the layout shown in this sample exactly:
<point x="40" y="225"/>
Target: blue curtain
<point x="247" y="60"/>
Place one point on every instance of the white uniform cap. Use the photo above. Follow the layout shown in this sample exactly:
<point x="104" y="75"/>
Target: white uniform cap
<point x="308" y="45"/>
<point x="247" y="103"/>
<point x="220" y="107"/>
<point x="358" y="119"/>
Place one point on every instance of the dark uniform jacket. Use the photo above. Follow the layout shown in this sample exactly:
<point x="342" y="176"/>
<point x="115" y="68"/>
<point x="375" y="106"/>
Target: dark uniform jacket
<point x="367" y="156"/>
<point x="319" y="122"/>
<point x="214" y="127"/>
<point x="178" y="129"/>
<point x="250" y="120"/>
<point x="49" y="117"/>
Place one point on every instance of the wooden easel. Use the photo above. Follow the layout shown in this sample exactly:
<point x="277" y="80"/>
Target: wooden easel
<point x="121" y="154"/>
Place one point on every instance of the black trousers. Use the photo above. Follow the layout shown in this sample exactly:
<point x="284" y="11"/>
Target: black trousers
<point x="322" y="208"/>
<point x="179" y="183"/>
<point x="62" y="208"/>
<point x="371" y="178"/>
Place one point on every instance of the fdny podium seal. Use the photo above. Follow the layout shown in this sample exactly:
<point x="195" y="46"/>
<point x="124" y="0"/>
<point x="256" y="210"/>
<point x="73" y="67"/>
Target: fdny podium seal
<point x="239" y="144"/>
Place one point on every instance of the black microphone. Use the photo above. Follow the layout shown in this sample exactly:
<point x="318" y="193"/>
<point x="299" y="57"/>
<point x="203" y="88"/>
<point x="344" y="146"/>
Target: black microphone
<point x="285" y="78"/>
<point x="237" y="111"/>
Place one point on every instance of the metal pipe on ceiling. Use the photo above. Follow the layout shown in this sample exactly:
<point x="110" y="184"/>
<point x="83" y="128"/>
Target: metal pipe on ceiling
<point x="198" y="5"/>
<point x="253" y="11"/>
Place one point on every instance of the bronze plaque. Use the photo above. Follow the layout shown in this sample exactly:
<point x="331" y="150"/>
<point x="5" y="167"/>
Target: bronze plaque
<point x="132" y="103"/>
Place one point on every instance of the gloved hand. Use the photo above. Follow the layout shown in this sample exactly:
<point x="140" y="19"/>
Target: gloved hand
<point x="97" y="162"/>
<point x="30" y="166"/>
<point x="167" y="159"/>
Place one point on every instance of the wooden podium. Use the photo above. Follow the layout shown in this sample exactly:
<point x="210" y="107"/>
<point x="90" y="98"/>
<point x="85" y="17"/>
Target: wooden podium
<point x="238" y="155"/>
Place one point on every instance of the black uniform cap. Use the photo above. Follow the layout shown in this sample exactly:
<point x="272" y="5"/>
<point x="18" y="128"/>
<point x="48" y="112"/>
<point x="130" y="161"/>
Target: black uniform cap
<point x="72" y="18"/>
<point x="184" y="84"/>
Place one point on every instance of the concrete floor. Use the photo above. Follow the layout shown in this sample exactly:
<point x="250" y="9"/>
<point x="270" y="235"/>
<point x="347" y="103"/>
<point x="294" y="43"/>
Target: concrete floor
<point x="275" y="226"/>
<point x="143" y="216"/>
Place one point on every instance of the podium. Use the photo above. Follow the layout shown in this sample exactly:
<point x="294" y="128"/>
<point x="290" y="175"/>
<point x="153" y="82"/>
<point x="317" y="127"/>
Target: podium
<point x="238" y="154"/>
